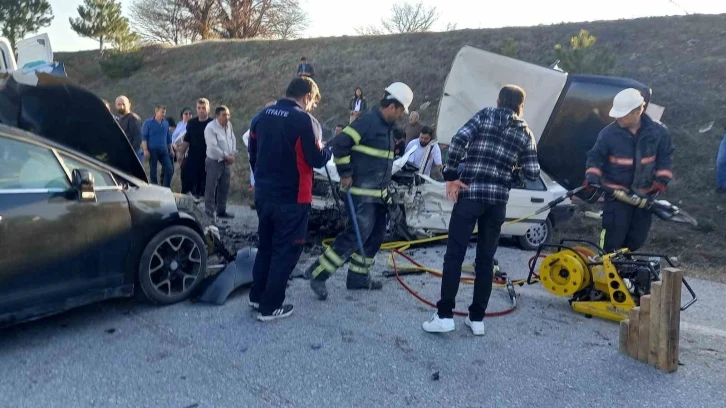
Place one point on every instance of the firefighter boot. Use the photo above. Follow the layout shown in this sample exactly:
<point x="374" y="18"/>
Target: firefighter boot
<point x="317" y="284"/>
<point x="358" y="281"/>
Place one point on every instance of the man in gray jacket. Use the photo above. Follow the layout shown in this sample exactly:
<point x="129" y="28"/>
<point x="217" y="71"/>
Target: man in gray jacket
<point x="221" y="152"/>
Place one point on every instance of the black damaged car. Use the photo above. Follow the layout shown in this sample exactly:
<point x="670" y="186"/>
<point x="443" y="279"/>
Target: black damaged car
<point x="79" y="222"/>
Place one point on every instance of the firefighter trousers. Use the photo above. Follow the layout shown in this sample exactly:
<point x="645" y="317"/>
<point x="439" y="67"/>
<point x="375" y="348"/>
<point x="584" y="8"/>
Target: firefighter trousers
<point x="623" y="226"/>
<point x="372" y="223"/>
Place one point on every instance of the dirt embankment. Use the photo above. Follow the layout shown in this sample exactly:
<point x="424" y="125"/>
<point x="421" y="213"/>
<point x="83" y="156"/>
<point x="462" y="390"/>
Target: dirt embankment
<point x="680" y="58"/>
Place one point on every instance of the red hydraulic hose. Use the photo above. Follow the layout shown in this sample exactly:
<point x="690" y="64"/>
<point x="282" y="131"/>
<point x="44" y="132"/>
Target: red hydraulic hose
<point x="428" y="302"/>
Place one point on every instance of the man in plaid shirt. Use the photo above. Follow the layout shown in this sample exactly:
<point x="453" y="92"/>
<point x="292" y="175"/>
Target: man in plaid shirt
<point x="493" y="143"/>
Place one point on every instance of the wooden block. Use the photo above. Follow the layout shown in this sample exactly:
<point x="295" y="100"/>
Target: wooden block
<point x="668" y="338"/>
<point x="623" y="346"/>
<point x="633" y="332"/>
<point x="655" y="301"/>
<point x="644" y="329"/>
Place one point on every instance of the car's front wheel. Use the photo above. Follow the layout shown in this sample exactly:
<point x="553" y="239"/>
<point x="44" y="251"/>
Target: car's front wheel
<point x="536" y="235"/>
<point x="172" y="265"/>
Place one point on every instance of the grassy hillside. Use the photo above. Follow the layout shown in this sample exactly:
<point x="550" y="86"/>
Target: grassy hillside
<point x="681" y="58"/>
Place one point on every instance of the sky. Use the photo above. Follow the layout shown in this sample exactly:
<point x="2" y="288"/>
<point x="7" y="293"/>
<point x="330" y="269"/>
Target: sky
<point x="341" y="17"/>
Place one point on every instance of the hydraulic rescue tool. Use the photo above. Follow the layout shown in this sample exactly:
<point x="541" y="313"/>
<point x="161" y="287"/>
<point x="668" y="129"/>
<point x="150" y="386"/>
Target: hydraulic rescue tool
<point x="603" y="284"/>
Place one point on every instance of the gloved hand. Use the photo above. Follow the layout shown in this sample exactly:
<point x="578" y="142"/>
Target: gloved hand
<point x="591" y="179"/>
<point x="658" y="187"/>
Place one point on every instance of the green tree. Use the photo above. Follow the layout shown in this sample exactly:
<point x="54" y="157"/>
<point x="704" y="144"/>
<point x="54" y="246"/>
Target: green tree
<point x="101" y="20"/>
<point x="509" y="49"/>
<point x="20" y="17"/>
<point x="582" y="58"/>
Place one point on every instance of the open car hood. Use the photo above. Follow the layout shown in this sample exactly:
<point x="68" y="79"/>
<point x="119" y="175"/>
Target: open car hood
<point x="474" y="82"/>
<point x="71" y="116"/>
<point x="565" y="112"/>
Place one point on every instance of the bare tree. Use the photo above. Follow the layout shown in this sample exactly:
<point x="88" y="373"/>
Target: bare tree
<point x="410" y="18"/>
<point x="288" y="20"/>
<point x="369" y="30"/>
<point x="203" y="15"/>
<point x="163" y="21"/>
<point x="405" y="18"/>
<point x="243" y="18"/>
<point x="260" y="18"/>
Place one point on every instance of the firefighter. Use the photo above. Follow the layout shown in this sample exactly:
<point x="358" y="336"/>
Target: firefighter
<point x="363" y="154"/>
<point x="634" y="153"/>
<point x="285" y="144"/>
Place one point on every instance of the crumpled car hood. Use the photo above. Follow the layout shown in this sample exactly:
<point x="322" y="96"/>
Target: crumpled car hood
<point x="71" y="116"/>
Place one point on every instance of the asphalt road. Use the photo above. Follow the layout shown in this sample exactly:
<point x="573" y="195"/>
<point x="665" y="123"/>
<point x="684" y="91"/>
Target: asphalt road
<point x="355" y="350"/>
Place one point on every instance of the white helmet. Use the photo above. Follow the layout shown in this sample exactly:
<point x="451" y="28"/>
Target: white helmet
<point x="625" y="101"/>
<point x="402" y="93"/>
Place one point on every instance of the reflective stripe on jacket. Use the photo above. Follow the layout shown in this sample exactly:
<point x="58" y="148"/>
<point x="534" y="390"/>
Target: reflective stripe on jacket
<point x="364" y="151"/>
<point x="621" y="159"/>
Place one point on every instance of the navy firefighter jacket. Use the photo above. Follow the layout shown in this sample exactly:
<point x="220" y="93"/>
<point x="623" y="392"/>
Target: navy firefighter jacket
<point x="625" y="161"/>
<point x="285" y="146"/>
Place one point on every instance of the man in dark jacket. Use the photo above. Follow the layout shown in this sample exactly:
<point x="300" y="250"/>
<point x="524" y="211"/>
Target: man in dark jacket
<point x="285" y="144"/>
<point x="494" y="141"/>
<point x="192" y="153"/>
<point x="131" y="124"/>
<point x="305" y="69"/>
<point x="634" y="153"/>
<point x="364" y="160"/>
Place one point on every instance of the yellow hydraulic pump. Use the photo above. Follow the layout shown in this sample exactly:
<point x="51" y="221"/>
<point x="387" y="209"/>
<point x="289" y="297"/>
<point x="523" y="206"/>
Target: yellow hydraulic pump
<point x="568" y="272"/>
<point x="599" y="284"/>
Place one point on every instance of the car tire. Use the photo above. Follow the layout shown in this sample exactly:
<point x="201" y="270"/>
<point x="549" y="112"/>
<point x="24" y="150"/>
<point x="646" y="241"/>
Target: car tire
<point x="536" y="235"/>
<point x="172" y="265"/>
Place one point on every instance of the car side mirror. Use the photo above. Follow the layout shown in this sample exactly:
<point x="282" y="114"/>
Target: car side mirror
<point x="83" y="185"/>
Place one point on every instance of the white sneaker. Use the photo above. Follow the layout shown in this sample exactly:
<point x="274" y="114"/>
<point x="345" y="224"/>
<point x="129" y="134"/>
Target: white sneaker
<point x="439" y="325"/>
<point x="476" y="327"/>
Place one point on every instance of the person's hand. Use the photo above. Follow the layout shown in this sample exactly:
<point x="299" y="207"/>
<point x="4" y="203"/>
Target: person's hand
<point x="588" y="187"/>
<point x="346" y="181"/>
<point x="658" y="187"/>
<point x="590" y="181"/>
<point x="146" y="154"/>
<point x="229" y="159"/>
<point x="453" y="188"/>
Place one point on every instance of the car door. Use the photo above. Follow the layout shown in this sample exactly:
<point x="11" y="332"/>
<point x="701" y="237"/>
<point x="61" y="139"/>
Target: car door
<point x="524" y="199"/>
<point x="107" y="228"/>
<point x="47" y="250"/>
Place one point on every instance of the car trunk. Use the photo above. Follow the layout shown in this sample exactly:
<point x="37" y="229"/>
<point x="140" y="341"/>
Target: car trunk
<point x="565" y="112"/>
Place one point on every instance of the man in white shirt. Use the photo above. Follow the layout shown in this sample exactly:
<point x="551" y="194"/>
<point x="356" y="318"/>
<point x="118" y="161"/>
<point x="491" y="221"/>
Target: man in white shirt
<point x="420" y="148"/>
<point x="221" y="152"/>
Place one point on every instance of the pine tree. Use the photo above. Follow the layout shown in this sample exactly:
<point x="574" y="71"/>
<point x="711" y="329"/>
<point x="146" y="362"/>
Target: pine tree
<point x="101" y="20"/>
<point x="20" y="17"/>
<point x="582" y="58"/>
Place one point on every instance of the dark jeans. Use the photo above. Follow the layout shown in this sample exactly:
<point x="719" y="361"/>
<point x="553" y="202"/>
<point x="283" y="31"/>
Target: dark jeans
<point x="161" y="155"/>
<point x="624" y="226"/>
<point x="217" y="188"/>
<point x="282" y="231"/>
<point x="464" y="218"/>
<point x="193" y="176"/>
